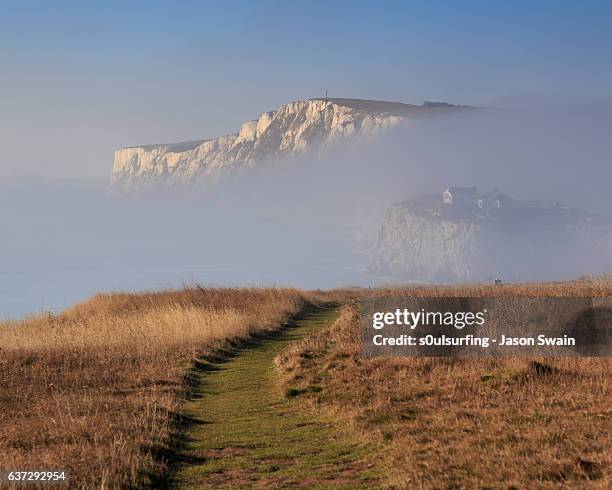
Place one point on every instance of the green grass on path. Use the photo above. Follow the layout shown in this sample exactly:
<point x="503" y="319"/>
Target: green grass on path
<point x="245" y="432"/>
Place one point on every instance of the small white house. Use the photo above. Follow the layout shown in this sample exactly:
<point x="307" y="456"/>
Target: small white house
<point x="469" y="196"/>
<point x="497" y="199"/>
<point x="454" y="196"/>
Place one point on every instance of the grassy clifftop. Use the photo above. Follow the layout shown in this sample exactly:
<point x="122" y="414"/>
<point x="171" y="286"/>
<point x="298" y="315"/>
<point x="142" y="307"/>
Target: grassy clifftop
<point x="97" y="390"/>
<point x="477" y="423"/>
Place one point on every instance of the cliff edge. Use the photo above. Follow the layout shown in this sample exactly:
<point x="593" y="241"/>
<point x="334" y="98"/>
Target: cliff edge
<point x="293" y="129"/>
<point x="488" y="236"/>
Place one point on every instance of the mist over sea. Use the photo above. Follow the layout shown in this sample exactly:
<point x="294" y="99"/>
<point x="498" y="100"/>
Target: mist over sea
<point x="65" y="241"/>
<point x="308" y="224"/>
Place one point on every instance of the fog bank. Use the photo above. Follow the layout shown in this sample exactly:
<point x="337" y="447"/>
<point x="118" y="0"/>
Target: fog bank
<point x="308" y="223"/>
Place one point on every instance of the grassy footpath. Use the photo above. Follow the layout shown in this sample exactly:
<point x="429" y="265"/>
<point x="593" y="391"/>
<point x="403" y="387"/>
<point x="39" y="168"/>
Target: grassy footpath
<point x="244" y="431"/>
<point x="96" y="389"/>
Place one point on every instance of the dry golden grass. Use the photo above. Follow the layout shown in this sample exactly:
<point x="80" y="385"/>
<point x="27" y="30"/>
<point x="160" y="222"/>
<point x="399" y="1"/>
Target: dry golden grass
<point x="579" y="288"/>
<point x="97" y="389"/>
<point x="477" y="423"/>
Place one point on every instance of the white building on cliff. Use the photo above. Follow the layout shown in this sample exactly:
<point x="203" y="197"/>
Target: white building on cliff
<point x="469" y="196"/>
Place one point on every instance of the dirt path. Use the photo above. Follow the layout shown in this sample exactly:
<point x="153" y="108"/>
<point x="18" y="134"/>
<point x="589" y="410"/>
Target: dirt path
<point x="244" y="432"/>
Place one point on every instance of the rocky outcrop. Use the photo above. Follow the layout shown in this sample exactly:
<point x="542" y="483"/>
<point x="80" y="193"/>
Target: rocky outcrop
<point x="292" y="130"/>
<point x="424" y="239"/>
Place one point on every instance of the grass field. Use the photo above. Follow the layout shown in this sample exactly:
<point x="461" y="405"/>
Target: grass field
<point x="98" y="389"/>
<point x="479" y="423"/>
<point x="245" y="387"/>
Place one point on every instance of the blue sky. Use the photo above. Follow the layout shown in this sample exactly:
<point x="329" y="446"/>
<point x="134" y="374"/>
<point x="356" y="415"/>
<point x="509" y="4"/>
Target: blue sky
<point x="82" y="78"/>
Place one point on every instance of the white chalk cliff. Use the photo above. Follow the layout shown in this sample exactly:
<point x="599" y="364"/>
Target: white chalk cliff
<point x="292" y="130"/>
<point x="425" y="239"/>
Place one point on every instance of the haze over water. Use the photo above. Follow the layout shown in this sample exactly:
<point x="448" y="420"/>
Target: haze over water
<point x="83" y="79"/>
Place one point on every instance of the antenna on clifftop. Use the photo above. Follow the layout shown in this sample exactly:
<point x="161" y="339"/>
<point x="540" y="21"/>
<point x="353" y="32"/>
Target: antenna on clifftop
<point x="326" y="95"/>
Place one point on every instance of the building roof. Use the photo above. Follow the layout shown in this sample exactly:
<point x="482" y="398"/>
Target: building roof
<point x="496" y="194"/>
<point x="463" y="190"/>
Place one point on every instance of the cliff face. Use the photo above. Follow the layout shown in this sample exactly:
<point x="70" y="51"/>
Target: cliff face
<point x="419" y="247"/>
<point x="292" y="130"/>
<point x="425" y="240"/>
